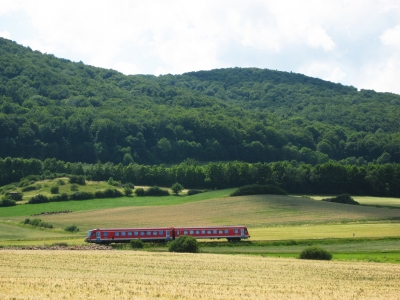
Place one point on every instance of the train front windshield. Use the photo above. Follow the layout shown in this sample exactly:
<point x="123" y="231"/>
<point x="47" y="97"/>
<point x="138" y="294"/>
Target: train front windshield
<point x="88" y="234"/>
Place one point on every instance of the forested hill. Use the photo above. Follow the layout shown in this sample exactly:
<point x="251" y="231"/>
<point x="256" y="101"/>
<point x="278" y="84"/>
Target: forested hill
<point x="51" y="107"/>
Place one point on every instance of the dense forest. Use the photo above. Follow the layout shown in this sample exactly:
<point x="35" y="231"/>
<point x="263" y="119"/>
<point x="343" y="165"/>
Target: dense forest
<point x="328" y="178"/>
<point x="55" y="108"/>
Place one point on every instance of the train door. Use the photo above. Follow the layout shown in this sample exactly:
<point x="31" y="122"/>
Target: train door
<point x="168" y="235"/>
<point x="242" y="232"/>
<point x="98" y="236"/>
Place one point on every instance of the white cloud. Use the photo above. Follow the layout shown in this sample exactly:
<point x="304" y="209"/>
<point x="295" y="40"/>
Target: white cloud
<point x="317" y="37"/>
<point x="338" y="40"/>
<point x="5" y="34"/>
<point x="391" y="37"/>
<point x="327" y="71"/>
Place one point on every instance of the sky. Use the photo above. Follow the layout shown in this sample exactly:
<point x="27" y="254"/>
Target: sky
<point x="352" y="42"/>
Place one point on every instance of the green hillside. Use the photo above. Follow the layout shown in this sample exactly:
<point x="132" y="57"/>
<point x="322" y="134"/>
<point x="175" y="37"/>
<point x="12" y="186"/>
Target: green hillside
<point x="52" y="107"/>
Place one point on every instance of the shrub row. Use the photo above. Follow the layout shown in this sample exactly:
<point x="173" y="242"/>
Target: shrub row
<point x="7" y="202"/>
<point x="37" y="223"/>
<point x="108" y="193"/>
<point x="258" y="189"/>
<point x="343" y="199"/>
<point x="152" y="191"/>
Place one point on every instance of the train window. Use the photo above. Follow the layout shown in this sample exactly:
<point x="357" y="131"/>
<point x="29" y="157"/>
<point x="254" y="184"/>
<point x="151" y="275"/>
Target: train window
<point x="178" y="232"/>
<point x="226" y="231"/>
<point x="236" y="231"/>
<point x="220" y="231"/>
<point x="155" y="232"/>
<point x="130" y="233"/>
<point x="191" y="231"/>
<point x="148" y="233"/>
<point x="116" y="233"/>
<point x="123" y="233"/>
<point x="161" y="232"/>
<point x="185" y="232"/>
<point x="136" y="233"/>
<point x="209" y="231"/>
<point x="105" y="233"/>
<point x="215" y="231"/>
<point x="197" y="231"/>
<point x="203" y="232"/>
<point x="142" y="233"/>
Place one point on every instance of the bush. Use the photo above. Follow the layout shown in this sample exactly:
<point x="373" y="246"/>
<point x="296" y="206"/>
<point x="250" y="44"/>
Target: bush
<point x="343" y="199"/>
<point x="139" y="192"/>
<point x="54" y="189"/>
<point x="177" y="188"/>
<point x="128" y="191"/>
<point x="81" y="196"/>
<point x="108" y="193"/>
<point x="39" y="198"/>
<point x="156" y="191"/>
<point x="28" y="188"/>
<point x="78" y="179"/>
<point x="37" y="223"/>
<point x="130" y="185"/>
<point x="184" y="243"/>
<point x="7" y="202"/>
<point x="59" y="198"/>
<point x="136" y="244"/>
<point x="74" y="187"/>
<point x="258" y="189"/>
<point x="315" y="253"/>
<point x="72" y="228"/>
<point x="60" y="182"/>
<point x="194" y="192"/>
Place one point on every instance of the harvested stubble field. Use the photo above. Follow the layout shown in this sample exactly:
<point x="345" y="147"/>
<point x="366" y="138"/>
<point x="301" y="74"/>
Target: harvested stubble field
<point x="253" y="211"/>
<point x="143" y="275"/>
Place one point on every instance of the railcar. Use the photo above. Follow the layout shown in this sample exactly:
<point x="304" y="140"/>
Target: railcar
<point x="164" y="234"/>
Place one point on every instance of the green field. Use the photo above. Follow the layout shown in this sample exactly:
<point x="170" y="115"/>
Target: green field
<point x="269" y="218"/>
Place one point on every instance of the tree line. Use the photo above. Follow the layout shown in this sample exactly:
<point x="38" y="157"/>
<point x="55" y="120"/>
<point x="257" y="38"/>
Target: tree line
<point x="300" y="178"/>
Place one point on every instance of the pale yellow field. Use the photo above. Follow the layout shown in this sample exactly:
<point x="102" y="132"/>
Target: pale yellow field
<point x="253" y="211"/>
<point x="369" y="230"/>
<point x="144" y="275"/>
<point x="366" y="200"/>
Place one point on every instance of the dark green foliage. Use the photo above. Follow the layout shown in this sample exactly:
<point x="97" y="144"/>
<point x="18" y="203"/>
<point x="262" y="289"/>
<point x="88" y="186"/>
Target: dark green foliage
<point x="60" y="182"/>
<point x="7" y="202"/>
<point x="108" y="193"/>
<point x="37" y="223"/>
<point x="54" y="109"/>
<point x="39" y="198"/>
<point x="316" y="253"/>
<point x="155" y="191"/>
<point x="127" y="191"/>
<point x="130" y="185"/>
<point x="28" y="188"/>
<point x="72" y="228"/>
<point x="113" y="182"/>
<point x="59" y="198"/>
<point x="78" y="179"/>
<point x="177" y="188"/>
<point x="194" y="192"/>
<point x="136" y="244"/>
<point x="139" y="192"/>
<point x="184" y="244"/>
<point x="74" y="187"/>
<point x="343" y="198"/>
<point x="258" y="189"/>
<point x="54" y="189"/>
<point x="82" y="196"/>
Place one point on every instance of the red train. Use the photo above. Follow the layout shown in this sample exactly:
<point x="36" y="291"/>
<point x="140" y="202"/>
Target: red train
<point x="124" y="235"/>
